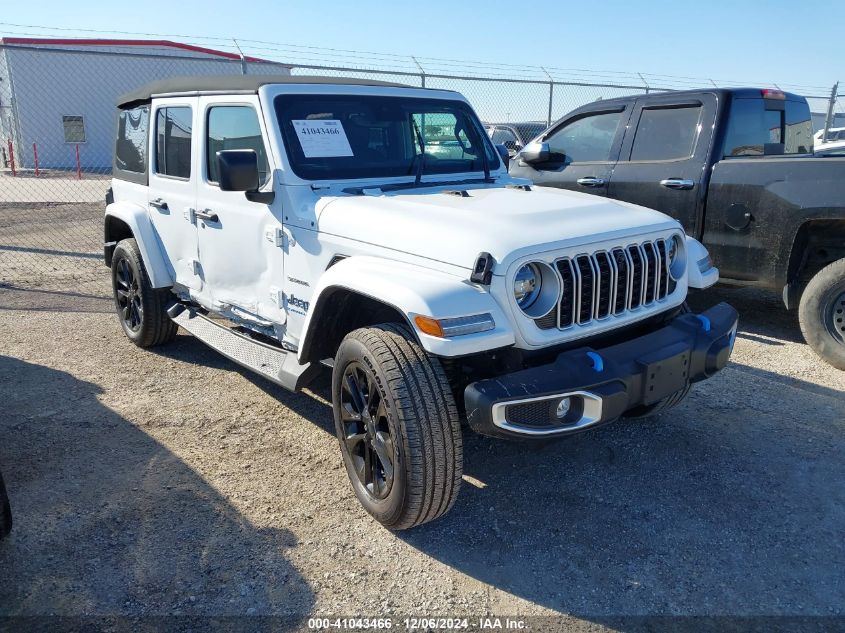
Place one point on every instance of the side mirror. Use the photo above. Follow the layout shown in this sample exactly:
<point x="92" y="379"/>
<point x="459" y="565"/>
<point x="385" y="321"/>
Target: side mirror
<point x="504" y="155"/>
<point x="237" y="169"/>
<point x="536" y="153"/>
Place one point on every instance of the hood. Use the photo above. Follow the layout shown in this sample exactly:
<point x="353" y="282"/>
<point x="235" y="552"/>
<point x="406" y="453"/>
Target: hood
<point x="507" y="223"/>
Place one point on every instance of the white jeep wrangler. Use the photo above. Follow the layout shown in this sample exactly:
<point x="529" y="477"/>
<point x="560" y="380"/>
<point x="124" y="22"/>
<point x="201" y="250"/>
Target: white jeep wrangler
<point x="298" y="222"/>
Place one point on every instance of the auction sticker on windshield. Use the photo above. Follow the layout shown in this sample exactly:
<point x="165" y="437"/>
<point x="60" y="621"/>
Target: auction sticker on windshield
<point x="322" y="139"/>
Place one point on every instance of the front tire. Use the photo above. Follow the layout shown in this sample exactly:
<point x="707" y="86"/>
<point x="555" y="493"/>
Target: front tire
<point x="397" y="425"/>
<point x="821" y="313"/>
<point x="140" y="307"/>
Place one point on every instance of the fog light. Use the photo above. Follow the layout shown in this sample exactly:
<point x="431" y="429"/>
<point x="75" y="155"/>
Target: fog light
<point x="563" y="408"/>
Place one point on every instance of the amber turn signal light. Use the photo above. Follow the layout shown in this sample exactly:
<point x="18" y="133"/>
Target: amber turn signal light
<point x="429" y="326"/>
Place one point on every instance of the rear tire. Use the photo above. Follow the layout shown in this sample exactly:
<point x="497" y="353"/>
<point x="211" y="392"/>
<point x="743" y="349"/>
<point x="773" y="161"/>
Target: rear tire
<point x="140" y="307"/>
<point x="404" y="454"/>
<point x="821" y="313"/>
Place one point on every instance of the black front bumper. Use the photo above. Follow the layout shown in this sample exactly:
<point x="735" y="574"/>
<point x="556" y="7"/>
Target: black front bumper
<point x="603" y="384"/>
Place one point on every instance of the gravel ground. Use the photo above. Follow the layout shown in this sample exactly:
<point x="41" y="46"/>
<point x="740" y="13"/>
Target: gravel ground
<point x="171" y="482"/>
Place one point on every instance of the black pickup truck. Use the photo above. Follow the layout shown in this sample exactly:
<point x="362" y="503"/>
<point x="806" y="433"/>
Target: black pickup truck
<point x="736" y="168"/>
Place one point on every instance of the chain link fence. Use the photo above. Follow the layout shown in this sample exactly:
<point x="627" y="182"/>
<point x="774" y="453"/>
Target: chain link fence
<point x="57" y="120"/>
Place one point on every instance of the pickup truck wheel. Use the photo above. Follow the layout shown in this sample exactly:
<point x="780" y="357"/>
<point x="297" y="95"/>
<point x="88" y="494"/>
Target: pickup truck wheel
<point x="821" y="313"/>
<point x="397" y="425"/>
<point x="140" y="307"/>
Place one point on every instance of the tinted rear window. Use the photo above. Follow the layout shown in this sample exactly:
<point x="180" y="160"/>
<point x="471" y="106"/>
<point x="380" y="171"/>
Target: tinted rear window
<point x="132" y="137"/>
<point x="666" y="133"/>
<point x="754" y="123"/>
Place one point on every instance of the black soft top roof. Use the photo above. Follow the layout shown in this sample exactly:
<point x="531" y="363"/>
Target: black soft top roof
<point x="241" y="84"/>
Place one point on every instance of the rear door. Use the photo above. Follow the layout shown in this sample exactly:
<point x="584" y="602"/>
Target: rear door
<point x="663" y="158"/>
<point x="584" y="148"/>
<point x="173" y="186"/>
<point x="749" y="207"/>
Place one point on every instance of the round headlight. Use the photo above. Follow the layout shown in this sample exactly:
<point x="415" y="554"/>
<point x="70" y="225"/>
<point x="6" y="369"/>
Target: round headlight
<point x="536" y="288"/>
<point x="526" y="286"/>
<point x="676" y="257"/>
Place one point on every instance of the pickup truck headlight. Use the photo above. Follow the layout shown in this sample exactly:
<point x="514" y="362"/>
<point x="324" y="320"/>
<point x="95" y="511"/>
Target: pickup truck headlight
<point x="536" y="289"/>
<point x="676" y="257"/>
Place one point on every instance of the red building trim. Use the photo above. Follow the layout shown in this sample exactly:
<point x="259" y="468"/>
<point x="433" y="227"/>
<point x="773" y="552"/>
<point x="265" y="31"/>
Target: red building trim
<point x="107" y="42"/>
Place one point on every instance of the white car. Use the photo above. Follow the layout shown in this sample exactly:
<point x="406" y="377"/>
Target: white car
<point x="294" y="223"/>
<point x="833" y="146"/>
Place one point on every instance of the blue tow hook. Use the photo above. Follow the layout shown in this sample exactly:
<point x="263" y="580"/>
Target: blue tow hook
<point x="705" y="322"/>
<point x="598" y="361"/>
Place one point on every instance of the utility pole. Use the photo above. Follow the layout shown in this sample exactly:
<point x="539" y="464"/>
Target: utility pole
<point x="829" y="119"/>
<point x="241" y="53"/>
<point x="551" y="95"/>
<point x="422" y="71"/>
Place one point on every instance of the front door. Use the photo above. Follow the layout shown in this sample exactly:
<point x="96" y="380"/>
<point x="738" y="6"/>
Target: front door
<point x="583" y="150"/>
<point x="662" y="162"/>
<point x="173" y="186"/>
<point x="240" y="241"/>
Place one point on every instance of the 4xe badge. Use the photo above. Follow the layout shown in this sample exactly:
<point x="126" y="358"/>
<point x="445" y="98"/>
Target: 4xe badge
<point x="299" y="306"/>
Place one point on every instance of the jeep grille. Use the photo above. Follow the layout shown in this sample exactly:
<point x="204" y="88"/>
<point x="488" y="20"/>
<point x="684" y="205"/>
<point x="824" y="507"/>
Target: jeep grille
<point x="609" y="283"/>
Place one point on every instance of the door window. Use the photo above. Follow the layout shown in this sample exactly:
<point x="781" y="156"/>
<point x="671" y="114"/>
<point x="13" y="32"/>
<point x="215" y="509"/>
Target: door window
<point x="588" y="139"/>
<point x="666" y="133"/>
<point x="753" y="125"/>
<point x="503" y="136"/>
<point x="234" y="127"/>
<point x="173" y="142"/>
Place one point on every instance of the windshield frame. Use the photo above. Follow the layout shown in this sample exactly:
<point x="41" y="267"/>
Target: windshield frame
<point x="277" y="100"/>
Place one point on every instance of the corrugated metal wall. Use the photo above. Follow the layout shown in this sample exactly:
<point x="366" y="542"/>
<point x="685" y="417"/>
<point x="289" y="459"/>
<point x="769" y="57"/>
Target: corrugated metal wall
<point x="43" y="84"/>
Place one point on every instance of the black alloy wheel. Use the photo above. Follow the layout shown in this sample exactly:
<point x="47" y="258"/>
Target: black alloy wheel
<point x="127" y="294"/>
<point x="366" y="431"/>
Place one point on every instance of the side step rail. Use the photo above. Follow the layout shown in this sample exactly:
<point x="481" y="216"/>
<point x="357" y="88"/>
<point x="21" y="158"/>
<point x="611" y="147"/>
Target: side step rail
<point x="273" y="363"/>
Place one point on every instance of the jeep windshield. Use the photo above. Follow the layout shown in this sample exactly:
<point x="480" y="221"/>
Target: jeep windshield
<point x="356" y="136"/>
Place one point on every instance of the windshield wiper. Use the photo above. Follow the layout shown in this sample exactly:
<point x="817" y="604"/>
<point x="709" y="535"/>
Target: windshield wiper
<point x="421" y="163"/>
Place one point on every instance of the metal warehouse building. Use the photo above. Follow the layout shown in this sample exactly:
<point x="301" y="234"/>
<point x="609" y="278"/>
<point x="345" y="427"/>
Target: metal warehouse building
<point x="57" y="96"/>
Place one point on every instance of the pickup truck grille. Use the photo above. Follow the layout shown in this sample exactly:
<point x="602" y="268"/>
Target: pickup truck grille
<point x="609" y="283"/>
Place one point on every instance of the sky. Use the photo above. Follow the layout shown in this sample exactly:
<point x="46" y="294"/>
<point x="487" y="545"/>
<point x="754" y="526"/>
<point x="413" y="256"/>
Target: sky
<point x="761" y="42"/>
